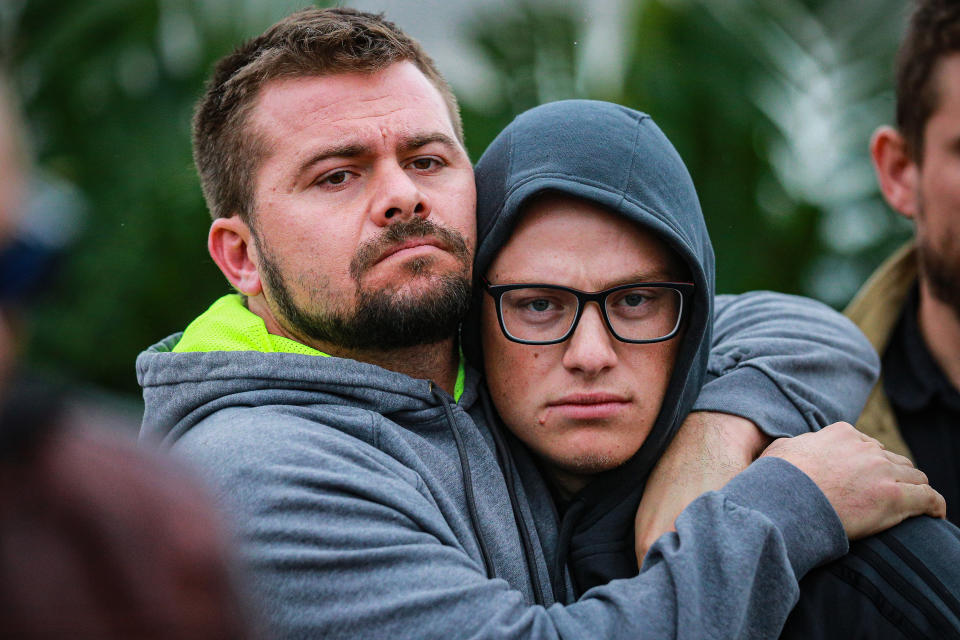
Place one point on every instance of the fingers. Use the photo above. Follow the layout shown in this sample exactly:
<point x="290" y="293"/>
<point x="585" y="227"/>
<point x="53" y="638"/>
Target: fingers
<point x="896" y="458"/>
<point x="903" y="469"/>
<point x="909" y="474"/>
<point x="867" y="438"/>
<point x="922" y="499"/>
<point x="846" y="427"/>
<point x="870" y="487"/>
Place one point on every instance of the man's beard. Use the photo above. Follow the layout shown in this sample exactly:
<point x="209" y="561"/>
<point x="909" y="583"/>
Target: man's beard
<point x="383" y="319"/>
<point x="940" y="267"/>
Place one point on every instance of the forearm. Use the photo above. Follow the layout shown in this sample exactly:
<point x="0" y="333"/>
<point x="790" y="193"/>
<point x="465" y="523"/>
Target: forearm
<point x="708" y="450"/>
<point x="788" y="364"/>
<point x="734" y="442"/>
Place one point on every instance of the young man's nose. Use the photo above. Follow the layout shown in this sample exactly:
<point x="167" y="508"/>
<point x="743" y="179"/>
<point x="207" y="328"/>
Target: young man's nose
<point x="590" y="350"/>
<point x="398" y="197"/>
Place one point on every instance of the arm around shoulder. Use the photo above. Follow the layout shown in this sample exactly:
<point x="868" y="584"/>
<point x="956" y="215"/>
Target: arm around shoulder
<point x="344" y="541"/>
<point x="787" y="363"/>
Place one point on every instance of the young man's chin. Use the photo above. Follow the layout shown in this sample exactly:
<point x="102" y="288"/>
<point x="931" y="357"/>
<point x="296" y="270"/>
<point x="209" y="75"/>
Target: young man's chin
<point x="590" y="458"/>
<point x="590" y="464"/>
<point x="570" y="473"/>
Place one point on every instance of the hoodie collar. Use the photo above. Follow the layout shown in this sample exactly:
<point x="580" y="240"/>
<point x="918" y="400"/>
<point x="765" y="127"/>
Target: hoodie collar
<point x="228" y="325"/>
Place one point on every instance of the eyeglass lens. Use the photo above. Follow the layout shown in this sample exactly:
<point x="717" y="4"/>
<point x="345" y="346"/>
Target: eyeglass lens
<point x="638" y="313"/>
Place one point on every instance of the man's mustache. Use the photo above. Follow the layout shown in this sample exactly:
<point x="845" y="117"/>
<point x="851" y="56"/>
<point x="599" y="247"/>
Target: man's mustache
<point x="369" y="253"/>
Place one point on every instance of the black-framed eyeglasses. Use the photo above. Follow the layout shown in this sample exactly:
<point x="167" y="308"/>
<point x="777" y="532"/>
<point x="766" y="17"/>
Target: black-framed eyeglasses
<point x="638" y="313"/>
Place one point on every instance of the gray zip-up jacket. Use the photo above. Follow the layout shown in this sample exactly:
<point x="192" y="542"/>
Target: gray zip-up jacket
<point x="373" y="505"/>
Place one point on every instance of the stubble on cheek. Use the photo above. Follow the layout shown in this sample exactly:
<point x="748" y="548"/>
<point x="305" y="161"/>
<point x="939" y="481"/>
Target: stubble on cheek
<point x="940" y="267"/>
<point x="939" y="261"/>
<point x="315" y="287"/>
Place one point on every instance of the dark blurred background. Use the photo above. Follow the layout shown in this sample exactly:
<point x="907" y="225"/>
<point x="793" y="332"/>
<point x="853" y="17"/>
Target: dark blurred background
<point x="770" y="103"/>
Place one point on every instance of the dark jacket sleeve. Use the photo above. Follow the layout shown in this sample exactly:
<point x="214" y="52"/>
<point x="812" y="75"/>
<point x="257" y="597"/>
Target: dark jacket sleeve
<point x="789" y="364"/>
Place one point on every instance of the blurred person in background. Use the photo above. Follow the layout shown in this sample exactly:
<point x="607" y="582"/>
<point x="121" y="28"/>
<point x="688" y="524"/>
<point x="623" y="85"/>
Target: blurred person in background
<point x="12" y="196"/>
<point x="910" y="307"/>
<point x="97" y="538"/>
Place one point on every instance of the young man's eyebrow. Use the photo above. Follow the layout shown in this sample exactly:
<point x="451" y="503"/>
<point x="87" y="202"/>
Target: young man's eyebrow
<point x="653" y="275"/>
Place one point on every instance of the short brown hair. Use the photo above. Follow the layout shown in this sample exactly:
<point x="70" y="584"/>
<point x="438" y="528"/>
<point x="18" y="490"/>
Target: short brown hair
<point x="932" y="34"/>
<point x="311" y="42"/>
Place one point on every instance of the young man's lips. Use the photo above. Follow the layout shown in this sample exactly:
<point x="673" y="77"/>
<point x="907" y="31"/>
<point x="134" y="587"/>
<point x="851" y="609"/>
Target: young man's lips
<point x="589" y="405"/>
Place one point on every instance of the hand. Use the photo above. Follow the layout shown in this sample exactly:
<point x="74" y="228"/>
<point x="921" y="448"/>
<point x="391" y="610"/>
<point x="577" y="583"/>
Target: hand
<point x="870" y="488"/>
<point x="707" y="451"/>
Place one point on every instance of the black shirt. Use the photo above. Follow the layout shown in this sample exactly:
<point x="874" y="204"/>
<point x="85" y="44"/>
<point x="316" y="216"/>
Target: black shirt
<point x="926" y="405"/>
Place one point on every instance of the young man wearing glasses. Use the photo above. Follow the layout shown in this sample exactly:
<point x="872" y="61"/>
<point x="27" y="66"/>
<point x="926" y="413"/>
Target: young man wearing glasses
<point x="596" y="303"/>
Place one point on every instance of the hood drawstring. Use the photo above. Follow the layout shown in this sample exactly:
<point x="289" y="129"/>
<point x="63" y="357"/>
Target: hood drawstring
<point x="570" y="518"/>
<point x="509" y="473"/>
<point x="467" y="483"/>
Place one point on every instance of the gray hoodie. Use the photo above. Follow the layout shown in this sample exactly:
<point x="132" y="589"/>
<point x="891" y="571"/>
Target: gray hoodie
<point x="373" y="505"/>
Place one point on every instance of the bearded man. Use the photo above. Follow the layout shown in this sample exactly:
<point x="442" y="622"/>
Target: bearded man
<point x="910" y="308"/>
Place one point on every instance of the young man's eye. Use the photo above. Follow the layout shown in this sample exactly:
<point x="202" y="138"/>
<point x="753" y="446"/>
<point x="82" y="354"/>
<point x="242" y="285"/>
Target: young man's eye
<point x="539" y="305"/>
<point x="634" y="299"/>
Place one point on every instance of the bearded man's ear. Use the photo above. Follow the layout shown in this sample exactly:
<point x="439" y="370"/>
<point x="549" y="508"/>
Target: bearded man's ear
<point x="897" y="172"/>
<point x="230" y="244"/>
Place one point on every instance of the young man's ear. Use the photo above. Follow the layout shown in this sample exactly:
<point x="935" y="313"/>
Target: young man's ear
<point x="896" y="170"/>
<point x="231" y="246"/>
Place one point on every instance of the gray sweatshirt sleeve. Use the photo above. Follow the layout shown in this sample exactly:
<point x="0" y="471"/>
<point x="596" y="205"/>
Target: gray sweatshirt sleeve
<point x="789" y="364"/>
<point x="343" y="542"/>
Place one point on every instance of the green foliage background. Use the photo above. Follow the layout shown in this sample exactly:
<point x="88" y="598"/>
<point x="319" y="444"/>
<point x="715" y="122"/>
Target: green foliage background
<point x="108" y="88"/>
